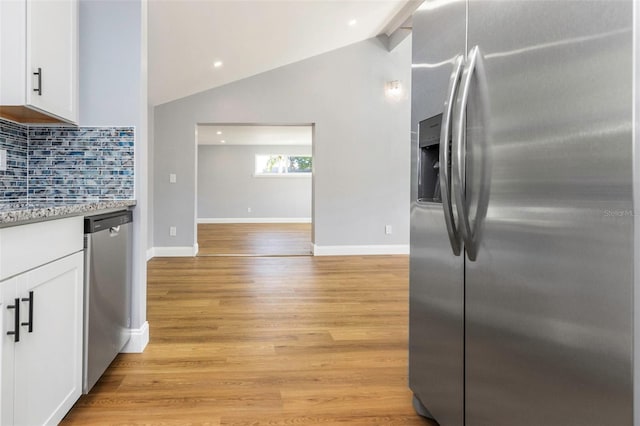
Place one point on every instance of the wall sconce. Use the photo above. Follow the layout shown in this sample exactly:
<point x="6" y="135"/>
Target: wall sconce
<point x="393" y="89"/>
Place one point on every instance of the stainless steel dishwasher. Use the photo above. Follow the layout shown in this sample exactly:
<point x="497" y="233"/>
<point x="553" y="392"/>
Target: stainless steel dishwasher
<point x="107" y="291"/>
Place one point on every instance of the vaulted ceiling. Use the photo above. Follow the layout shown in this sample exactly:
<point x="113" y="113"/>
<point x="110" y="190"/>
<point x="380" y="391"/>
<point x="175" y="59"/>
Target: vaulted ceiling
<point x="195" y="45"/>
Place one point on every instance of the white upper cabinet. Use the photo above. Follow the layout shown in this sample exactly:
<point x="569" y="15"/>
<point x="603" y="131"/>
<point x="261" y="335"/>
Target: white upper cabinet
<point x="39" y="60"/>
<point x="52" y="56"/>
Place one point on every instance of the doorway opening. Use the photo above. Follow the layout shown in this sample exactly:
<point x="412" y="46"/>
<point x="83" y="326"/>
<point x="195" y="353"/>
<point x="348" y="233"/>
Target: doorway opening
<point x="254" y="190"/>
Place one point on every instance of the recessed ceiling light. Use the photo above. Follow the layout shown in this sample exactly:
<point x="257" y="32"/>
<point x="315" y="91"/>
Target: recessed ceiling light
<point x="217" y="64"/>
<point x="219" y="132"/>
<point x="353" y="22"/>
<point x="223" y="141"/>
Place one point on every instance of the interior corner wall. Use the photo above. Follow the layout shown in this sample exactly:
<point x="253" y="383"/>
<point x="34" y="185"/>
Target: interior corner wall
<point x="113" y="92"/>
<point x="361" y="142"/>
<point x="150" y="114"/>
<point x="636" y="208"/>
<point x="227" y="186"/>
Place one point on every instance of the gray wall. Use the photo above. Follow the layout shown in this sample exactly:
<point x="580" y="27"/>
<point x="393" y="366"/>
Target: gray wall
<point x="113" y="92"/>
<point x="150" y="112"/>
<point x="226" y="185"/>
<point x="361" y="142"/>
<point x="110" y="50"/>
<point x="636" y="218"/>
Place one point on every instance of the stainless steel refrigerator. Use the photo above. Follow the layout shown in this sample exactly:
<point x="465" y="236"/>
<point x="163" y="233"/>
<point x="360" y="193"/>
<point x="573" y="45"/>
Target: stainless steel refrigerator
<point x="522" y="213"/>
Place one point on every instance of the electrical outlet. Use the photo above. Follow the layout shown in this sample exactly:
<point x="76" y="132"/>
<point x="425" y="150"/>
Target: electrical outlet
<point x="248" y="209"/>
<point x="387" y="229"/>
<point x="172" y="231"/>
<point x="172" y="178"/>
<point x="3" y="160"/>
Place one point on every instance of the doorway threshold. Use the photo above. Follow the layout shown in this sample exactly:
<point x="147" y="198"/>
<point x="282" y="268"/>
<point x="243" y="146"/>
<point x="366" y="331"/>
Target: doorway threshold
<point x="255" y="255"/>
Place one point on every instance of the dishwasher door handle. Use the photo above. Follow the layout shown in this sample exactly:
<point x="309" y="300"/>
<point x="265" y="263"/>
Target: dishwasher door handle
<point x="114" y="231"/>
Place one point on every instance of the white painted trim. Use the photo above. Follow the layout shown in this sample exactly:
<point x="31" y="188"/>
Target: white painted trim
<point x="196" y="249"/>
<point x="175" y="251"/>
<point x="360" y="250"/>
<point x="150" y="253"/>
<point x="255" y="220"/>
<point x="138" y="340"/>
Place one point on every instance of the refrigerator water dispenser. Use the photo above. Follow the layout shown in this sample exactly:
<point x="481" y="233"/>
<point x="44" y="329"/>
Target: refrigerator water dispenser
<point x="429" y="160"/>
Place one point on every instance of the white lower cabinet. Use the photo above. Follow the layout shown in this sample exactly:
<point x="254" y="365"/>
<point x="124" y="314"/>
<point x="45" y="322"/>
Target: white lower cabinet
<point x="42" y="361"/>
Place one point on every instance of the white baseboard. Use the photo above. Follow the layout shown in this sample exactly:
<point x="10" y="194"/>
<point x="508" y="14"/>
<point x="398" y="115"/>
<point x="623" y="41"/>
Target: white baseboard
<point x="360" y="250"/>
<point x="138" y="340"/>
<point x="175" y="251"/>
<point x="364" y="250"/>
<point x="255" y="220"/>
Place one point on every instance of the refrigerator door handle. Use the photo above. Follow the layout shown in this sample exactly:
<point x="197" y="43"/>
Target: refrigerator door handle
<point x="445" y="181"/>
<point x="458" y="148"/>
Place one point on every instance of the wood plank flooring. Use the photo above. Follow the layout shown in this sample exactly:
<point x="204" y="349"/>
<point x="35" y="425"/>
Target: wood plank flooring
<point x="265" y="341"/>
<point x="254" y="239"/>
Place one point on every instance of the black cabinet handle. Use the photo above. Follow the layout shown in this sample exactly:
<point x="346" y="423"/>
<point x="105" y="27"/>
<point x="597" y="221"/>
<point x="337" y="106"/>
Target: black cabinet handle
<point x="39" y="88"/>
<point x="30" y="300"/>
<point x="16" y="320"/>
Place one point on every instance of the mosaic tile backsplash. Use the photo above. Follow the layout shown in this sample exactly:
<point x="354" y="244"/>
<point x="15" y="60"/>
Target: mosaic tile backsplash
<point x="66" y="164"/>
<point x="13" y="181"/>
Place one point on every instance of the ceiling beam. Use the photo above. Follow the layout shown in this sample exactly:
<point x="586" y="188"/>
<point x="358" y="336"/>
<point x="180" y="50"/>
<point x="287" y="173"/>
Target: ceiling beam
<point x="399" y="27"/>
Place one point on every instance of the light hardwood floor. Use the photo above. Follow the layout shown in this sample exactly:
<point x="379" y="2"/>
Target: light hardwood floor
<point x="254" y="239"/>
<point x="265" y="341"/>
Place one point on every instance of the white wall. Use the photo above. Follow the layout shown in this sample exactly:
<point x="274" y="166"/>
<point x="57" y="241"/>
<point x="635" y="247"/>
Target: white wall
<point x="227" y="185"/>
<point x="361" y="142"/>
<point x="113" y="92"/>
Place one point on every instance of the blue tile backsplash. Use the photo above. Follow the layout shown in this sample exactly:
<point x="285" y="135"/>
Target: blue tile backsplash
<point x="13" y="181"/>
<point x="66" y="164"/>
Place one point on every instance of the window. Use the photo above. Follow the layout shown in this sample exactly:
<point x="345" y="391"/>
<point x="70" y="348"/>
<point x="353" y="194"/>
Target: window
<point x="283" y="165"/>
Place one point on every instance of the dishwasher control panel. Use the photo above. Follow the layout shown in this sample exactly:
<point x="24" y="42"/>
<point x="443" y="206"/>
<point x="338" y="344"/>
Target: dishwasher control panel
<point x="107" y="220"/>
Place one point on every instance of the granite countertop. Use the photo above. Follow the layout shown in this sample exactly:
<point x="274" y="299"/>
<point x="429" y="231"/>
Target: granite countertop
<point x="20" y="213"/>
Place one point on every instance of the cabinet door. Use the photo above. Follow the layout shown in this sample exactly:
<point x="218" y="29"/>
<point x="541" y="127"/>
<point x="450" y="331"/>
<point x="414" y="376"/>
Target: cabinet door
<point x="48" y="360"/>
<point x="7" y="341"/>
<point x="52" y="48"/>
